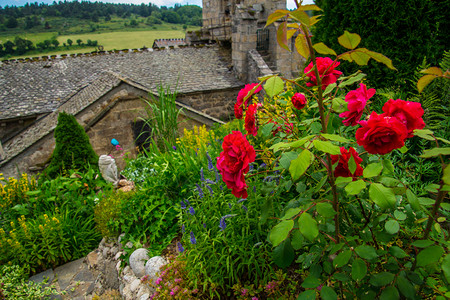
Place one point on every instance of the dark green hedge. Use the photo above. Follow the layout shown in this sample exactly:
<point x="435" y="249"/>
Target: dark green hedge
<point x="406" y="31"/>
<point x="72" y="150"/>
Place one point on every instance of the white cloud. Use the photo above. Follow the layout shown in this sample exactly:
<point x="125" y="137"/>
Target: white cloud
<point x="291" y="3"/>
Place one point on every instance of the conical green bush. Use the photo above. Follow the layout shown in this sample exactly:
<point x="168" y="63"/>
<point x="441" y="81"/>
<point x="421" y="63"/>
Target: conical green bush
<point x="73" y="149"/>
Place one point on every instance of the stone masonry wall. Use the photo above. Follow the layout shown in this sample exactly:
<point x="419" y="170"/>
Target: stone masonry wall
<point x="257" y="67"/>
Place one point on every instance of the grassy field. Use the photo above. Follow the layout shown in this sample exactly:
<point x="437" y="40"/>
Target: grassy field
<point x="109" y="40"/>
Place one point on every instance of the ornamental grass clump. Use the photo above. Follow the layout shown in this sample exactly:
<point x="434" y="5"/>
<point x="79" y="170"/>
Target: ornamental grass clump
<point x="352" y="226"/>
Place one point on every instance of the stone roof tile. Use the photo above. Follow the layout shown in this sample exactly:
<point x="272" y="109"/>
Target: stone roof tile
<point x="42" y="86"/>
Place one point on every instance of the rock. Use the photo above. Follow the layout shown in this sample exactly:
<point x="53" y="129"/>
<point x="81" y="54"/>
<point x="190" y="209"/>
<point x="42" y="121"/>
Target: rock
<point x="144" y="297"/>
<point x="110" y="275"/>
<point x="129" y="245"/>
<point x="120" y="237"/>
<point x="153" y="266"/>
<point x="114" y="250"/>
<point x="92" y="259"/>
<point x="137" y="261"/>
<point x="118" y="266"/>
<point x="118" y="255"/>
<point x="125" y="185"/>
<point x="105" y="251"/>
<point x="43" y="276"/>
<point x="135" y="285"/>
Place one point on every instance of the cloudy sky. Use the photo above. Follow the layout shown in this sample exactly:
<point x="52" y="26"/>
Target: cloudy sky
<point x="168" y="3"/>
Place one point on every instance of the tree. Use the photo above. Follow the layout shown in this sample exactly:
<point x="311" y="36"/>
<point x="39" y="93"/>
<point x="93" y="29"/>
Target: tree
<point x="21" y="45"/>
<point x="47" y="25"/>
<point x="72" y="149"/>
<point x="55" y="42"/>
<point x="12" y="22"/>
<point x="79" y="42"/>
<point x="133" y="23"/>
<point x="405" y="36"/>
<point x="47" y="43"/>
<point x="70" y="42"/>
<point x="9" y="47"/>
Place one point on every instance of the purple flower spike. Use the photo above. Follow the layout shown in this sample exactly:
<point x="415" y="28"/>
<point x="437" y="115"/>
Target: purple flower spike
<point x="202" y="176"/>
<point x="200" y="191"/>
<point x="193" y="240"/>
<point x="180" y="247"/>
<point x="183" y="205"/>
<point x="222" y="224"/>
<point x="174" y="148"/>
<point x="210" y="163"/>
<point x="191" y="210"/>
<point x="210" y="190"/>
<point x="183" y="228"/>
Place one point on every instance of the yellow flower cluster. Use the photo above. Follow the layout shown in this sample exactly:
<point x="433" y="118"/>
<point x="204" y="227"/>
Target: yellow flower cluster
<point x="196" y="139"/>
<point x="15" y="190"/>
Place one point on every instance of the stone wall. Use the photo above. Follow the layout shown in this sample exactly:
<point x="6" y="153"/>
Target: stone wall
<point x="257" y="67"/>
<point x="9" y="128"/>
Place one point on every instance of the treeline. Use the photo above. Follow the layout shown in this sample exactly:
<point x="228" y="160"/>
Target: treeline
<point x="21" y="46"/>
<point x="32" y="14"/>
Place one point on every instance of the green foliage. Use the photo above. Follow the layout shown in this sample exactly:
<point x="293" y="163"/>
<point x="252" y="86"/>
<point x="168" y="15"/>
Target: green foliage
<point x="72" y="150"/>
<point x="13" y="285"/>
<point x="52" y="224"/>
<point x="162" y="118"/>
<point x="404" y="35"/>
<point x="107" y="211"/>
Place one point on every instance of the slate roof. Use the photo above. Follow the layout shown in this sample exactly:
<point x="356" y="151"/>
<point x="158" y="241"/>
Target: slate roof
<point x="169" y="42"/>
<point x="38" y="87"/>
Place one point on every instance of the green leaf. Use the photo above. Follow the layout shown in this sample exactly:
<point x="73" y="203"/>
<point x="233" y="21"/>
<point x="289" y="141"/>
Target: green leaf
<point x="359" y="269"/>
<point x="266" y="130"/>
<point x="310" y="282"/>
<point x="280" y="232"/>
<point x="399" y="215"/>
<point x="324" y="49"/>
<point x="413" y="200"/>
<point x="352" y="165"/>
<point x="274" y="86"/>
<point x="327" y="293"/>
<point x="302" y="46"/>
<point x="392" y="226"/>
<point x="352" y="80"/>
<point x="429" y="255"/>
<point x="424" y="81"/>
<point x="297" y="239"/>
<point x="339" y="105"/>
<point x="435" y="152"/>
<point x="382" y="196"/>
<point x="381" y="279"/>
<point x="307" y="295"/>
<point x="355" y="187"/>
<point x="278" y="14"/>
<point x="283" y="254"/>
<point x="405" y="287"/>
<point x="388" y="167"/>
<point x="349" y="40"/>
<point x="294" y="144"/>
<point x="366" y="252"/>
<point x="335" y="137"/>
<point x="342" y="258"/>
<point x="299" y="165"/>
<point x="397" y="252"/>
<point x="372" y="170"/>
<point x="378" y="57"/>
<point x="446" y="267"/>
<point x="329" y="89"/>
<point x="300" y="16"/>
<point x="446" y="176"/>
<point x="343" y="180"/>
<point x="282" y="36"/>
<point x="286" y="158"/>
<point x="327" y="147"/>
<point x="325" y="209"/>
<point x="424" y="133"/>
<point x="422" y="243"/>
<point x="390" y="293"/>
<point x="308" y="226"/>
<point x="291" y="212"/>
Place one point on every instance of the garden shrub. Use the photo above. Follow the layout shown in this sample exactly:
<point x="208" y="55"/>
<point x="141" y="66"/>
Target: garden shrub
<point x="13" y="285"/>
<point x="107" y="212"/>
<point x="72" y="149"/>
<point x="406" y="36"/>
<point x="53" y="223"/>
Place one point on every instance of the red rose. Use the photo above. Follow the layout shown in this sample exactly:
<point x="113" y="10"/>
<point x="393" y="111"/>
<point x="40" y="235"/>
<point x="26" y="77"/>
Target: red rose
<point x="327" y="73"/>
<point x="356" y="100"/>
<point x="409" y="113"/>
<point x="239" y="106"/>
<point x="342" y="169"/>
<point x="234" y="161"/>
<point x="250" y="121"/>
<point x="299" y="101"/>
<point x="381" y="134"/>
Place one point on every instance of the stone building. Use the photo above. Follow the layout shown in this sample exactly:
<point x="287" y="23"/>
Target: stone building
<point x="104" y="90"/>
